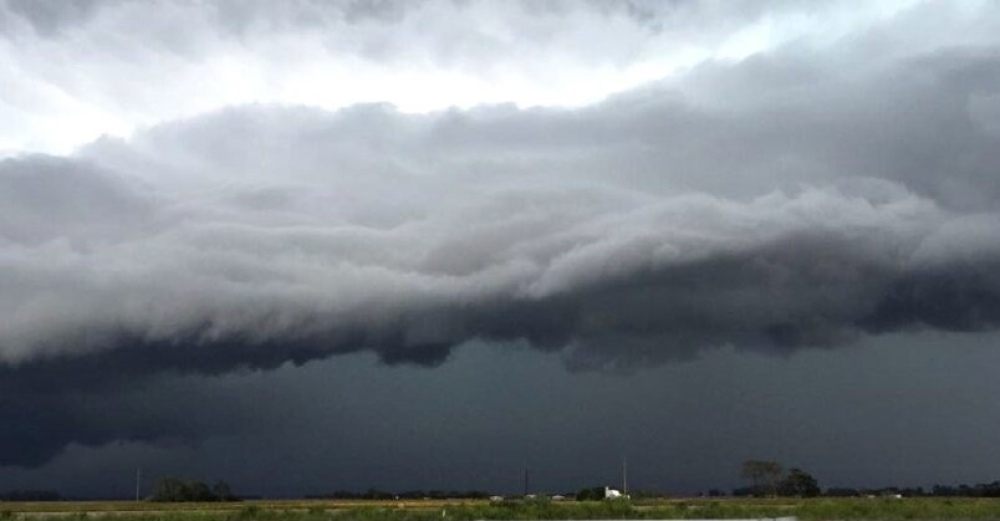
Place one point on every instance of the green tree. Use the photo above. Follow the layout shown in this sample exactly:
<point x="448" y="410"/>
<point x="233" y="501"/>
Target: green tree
<point x="763" y="474"/>
<point x="176" y="490"/>
<point x="169" y="489"/>
<point x="590" y="494"/>
<point x="798" y="483"/>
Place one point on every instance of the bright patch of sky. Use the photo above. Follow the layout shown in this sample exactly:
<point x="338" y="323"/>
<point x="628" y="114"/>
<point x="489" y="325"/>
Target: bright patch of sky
<point x="137" y="65"/>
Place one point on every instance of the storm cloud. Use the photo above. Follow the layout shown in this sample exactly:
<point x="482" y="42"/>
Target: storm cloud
<point x="797" y="198"/>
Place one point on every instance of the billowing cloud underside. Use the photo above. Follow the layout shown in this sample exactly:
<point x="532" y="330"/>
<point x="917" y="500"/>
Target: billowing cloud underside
<point x="771" y="205"/>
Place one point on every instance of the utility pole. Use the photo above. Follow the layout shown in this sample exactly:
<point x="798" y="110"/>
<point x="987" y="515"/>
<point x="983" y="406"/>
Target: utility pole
<point x="526" y="481"/>
<point x="624" y="476"/>
<point x="138" y="480"/>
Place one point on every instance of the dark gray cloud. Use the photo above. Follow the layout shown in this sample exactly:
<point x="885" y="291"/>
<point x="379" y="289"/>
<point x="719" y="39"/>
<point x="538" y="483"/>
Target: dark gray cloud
<point x="913" y="408"/>
<point x="262" y="235"/>
<point x="796" y="199"/>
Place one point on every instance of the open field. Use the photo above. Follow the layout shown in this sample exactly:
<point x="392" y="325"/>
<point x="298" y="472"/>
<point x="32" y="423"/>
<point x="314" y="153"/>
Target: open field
<point x="325" y="510"/>
<point x="281" y="505"/>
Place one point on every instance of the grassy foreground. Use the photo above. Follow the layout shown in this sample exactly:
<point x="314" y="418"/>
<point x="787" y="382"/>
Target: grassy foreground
<point x="827" y="509"/>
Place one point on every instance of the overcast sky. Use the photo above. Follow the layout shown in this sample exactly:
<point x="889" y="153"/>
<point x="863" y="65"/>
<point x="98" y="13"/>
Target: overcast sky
<point x="307" y="246"/>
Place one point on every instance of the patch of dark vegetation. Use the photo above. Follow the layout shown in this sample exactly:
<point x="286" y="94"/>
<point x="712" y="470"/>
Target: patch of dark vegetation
<point x="172" y="490"/>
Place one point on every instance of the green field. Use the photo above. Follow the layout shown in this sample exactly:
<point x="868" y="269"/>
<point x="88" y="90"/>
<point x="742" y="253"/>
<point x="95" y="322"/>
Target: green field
<point x="318" y="510"/>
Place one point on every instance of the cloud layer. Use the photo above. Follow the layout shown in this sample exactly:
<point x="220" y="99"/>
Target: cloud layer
<point x="282" y="231"/>
<point x="793" y="199"/>
<point x="73" y="73"/>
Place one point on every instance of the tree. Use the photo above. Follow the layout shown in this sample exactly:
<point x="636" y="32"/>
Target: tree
<point x="763" y="474"/>
<point x="170" y="489"/>
<point x="590" y="494"/>
<point x="798" y="483"/>
<point x="174" y="490"/>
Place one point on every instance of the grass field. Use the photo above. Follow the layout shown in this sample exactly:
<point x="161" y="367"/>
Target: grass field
<point x="320" y="510"/>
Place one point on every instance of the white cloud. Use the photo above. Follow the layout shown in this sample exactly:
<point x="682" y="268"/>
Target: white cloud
<point x="126" y="65"/>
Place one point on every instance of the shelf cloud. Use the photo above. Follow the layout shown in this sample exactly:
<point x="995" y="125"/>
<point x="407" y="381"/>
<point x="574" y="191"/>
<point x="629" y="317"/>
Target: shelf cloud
<point x="793" y="199"/>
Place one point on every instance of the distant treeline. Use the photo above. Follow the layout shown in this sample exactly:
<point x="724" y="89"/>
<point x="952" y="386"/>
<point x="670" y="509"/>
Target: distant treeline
<point x="409" y="494"/>
<point x="183" y="490"/>
<point x="979" y="490"/>
<point x="769" y="479"/>
<point x="179" y="490"/>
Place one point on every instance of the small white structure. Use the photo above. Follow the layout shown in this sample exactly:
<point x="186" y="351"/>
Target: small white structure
<point x="610" y="493"/>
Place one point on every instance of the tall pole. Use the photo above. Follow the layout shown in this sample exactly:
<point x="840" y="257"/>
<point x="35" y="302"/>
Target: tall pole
<point x="138" y="480"/>
<point x="526" y="481"/>
<point x="624" y="476"/>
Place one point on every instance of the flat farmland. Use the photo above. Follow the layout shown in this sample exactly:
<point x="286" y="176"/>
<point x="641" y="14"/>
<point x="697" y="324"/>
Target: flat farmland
<point x="267" y="505"/>
<point x="819" y="509"/>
